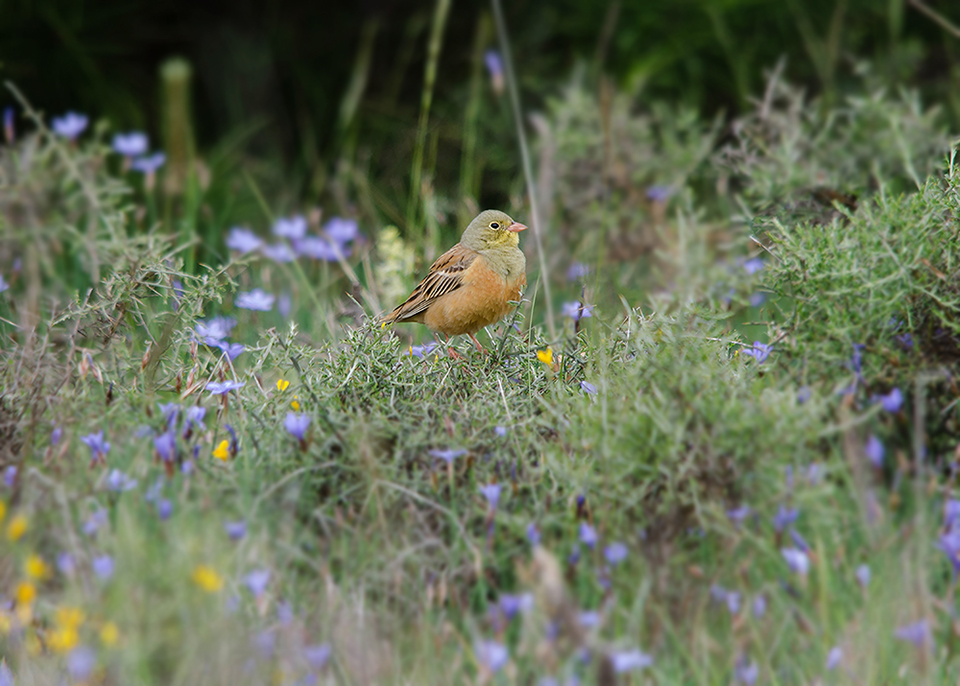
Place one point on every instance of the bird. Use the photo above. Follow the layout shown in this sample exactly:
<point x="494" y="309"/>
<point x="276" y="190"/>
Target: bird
<point x="472" y="284"/>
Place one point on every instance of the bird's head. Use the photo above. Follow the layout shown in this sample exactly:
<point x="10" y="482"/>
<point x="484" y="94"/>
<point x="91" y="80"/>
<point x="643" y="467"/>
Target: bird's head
<point x="492" y="229"/>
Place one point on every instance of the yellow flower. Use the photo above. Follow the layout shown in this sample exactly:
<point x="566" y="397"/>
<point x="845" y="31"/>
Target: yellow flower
<point x="25" y="593"/>
<point x="546" y="356"/>
<point x="282" y="385"/>
<point x="3" y="511"/>
<point x="207" y="579"/>
<point x="5" y="623"/>
<point x="36" y="568"/>
<point x="296" y="403"/>
<point x="109" y="634"/>
<point x="17" y="528"/>
<point x="222" y="451"/>
<point x="69" y="617"/>
<point x="63" y="640"/>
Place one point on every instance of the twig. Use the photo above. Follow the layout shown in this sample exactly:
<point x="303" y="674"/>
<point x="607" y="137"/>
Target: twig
<point x="936" y="17"/>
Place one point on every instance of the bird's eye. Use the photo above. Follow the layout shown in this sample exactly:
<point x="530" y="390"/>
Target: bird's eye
<point x="494" y="225"/>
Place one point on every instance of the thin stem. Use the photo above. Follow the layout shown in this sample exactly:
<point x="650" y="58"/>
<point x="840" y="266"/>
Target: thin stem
<point x="525" y="155"/>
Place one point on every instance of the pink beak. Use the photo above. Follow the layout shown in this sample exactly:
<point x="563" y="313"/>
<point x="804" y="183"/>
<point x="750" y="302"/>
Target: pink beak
<point x="517" y="227"/>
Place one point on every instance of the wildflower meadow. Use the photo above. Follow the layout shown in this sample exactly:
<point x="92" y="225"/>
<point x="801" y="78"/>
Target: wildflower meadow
<point x="717" y="440"/>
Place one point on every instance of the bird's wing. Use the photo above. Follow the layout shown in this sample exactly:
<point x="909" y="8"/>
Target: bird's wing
<point x="445" y="276"/>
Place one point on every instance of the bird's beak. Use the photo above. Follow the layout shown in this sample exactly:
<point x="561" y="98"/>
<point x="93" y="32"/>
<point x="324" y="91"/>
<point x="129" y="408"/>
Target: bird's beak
<point x="517" y="227"/>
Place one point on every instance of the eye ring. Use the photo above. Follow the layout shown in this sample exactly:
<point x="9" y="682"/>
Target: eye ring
<point x="494" y="225"/>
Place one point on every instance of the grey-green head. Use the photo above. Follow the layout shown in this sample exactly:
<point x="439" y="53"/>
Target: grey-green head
<point x="492" y="229"/>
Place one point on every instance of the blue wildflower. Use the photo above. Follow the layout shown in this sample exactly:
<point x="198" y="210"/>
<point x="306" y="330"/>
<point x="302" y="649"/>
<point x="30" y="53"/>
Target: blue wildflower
<point x="294" y="227"/>
<point x="257" y="299"/>
<point x="70" y="125"/>
<point x="296" y="425"/>
<point x="243" y="240"/>
<point x="148" y="164"/>
<point x="131" y="144"/>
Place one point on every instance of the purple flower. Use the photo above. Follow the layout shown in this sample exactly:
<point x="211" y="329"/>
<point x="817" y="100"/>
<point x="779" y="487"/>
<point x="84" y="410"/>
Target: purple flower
<point x="576" y="310"/>
<point x="759" y="606"/>
<point x="615" y="553"/>
<point x="231" y="350"/>
<point x="278" y="252"/>
<point x="491" y="58"/>
<point x="863" y="575"/>
<point x="917" y="633"/>
<point x="257" y="299"/>
<point x="798" y="540"/>
<point x="317" y="655"/>
<point x="492" y="493"/>
<point x="659" y="193"/>
<point x="169" y="412"/>
<point x="8" y="130"/>
<point x="56" y="435"/>
<point x="760" y="351"/>
<point x="131" y="144"/>
<point x="588" y="388"/>
<point x="216" y="329"/>
<point x="949" y="543"/>
<point x="294" y="227"/>
<point x="65" y="564"/>
<point x="95" y="521"/>
<point x="733" y="602"/>
<point x="814" y="473"/>
<point x="757" y="299"/>
<point x="833" y="658"/>
<point x="796" y="559"/>
<point x="629" y="660"/>
<point x="718" y="593"/>
<point x="317" y="248"/>
<point x="746" y="672"/>
<point x="785" y="517"/>
<point x="588" y="535"/>
<point x="166" y="445"/>
<point x="234" y="445"/>
<point x="588" y="619"/>
<point x="224" y="387"/>
<point x="148" y="164"/>
<point x="803" y="395"/>
<point x="510" y="605"/>
<point x="422" y="351"/>
<point x="194" y="418"/>
<point x="905" y="340"/>
<point x="80" y="663"/>
<point x="856" y="360"/>
<point x="738" y="514"/>
<point x="164" y="509"/>
<point x="119" y="482"/>
<point x="103" y="566"/>
<point x="753" y="265"/>
<point x="235" y="530"/>
<point x="892" y="401"/>
<point x="98" y="447"/>
<point x="296" y="424"/>
<point x="257" y="581"/>
<point x="3" y="284"/>
<point x="341" y="231"/>
<point x="577" y="270"/>
<point x="10" y="476"/>
<point x="284" y="305"/>
<point x="448" y="455"/>
<point x="492" y="655"/>
<point x="284" y="612"/>
<point x="533" y="534"/>
<point x="874" y="451"/>
<point x="70" y="125"/>
<point x="500" y="431"/>
<point x="243" y="240"/>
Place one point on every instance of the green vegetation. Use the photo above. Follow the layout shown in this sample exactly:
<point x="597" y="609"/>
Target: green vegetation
<point x="733" y="461"/>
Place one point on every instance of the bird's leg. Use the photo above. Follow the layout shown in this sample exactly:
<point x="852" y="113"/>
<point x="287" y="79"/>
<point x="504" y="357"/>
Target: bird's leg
<point x="451" y="351"/>
<point x="476" y="343"/>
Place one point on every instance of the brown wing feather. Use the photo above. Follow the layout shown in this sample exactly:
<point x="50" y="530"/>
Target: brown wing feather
<point x="445" y="276"/>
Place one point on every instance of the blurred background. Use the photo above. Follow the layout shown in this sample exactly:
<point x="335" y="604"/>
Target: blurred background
<point x="394" y="112"/>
